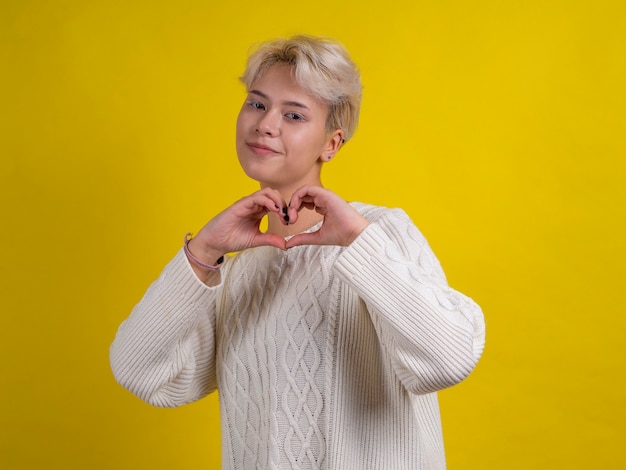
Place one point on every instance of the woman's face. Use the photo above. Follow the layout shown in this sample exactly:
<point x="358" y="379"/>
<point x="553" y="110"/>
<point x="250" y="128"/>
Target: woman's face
<point x="281" y="132"/>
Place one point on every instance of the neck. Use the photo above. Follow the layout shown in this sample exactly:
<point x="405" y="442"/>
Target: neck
<point x="307" y="218"/>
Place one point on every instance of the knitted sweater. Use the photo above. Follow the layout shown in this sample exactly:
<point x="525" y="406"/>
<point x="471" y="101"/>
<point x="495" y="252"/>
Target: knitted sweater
<point x="324" y="356"/>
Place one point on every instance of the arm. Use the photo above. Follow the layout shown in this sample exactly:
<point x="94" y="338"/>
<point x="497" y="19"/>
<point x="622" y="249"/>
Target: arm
<point x="433" y="334"/>
<point x="164" y="351"/>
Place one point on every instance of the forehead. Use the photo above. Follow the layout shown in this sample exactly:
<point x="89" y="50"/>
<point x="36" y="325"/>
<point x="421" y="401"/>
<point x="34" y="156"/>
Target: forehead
<point x="275" y="75"/>
<point x="278" y="83"/>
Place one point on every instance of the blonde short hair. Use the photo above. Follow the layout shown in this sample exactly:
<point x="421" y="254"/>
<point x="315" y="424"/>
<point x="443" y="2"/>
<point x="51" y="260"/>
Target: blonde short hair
<point x="322" y="67"/>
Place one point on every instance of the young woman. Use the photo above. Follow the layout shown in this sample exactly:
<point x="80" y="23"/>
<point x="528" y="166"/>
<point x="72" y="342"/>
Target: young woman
<point x="328" y="335"/>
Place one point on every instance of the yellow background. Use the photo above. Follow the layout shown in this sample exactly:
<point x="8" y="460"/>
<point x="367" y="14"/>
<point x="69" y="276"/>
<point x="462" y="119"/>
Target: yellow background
<point x="499" y="126"/>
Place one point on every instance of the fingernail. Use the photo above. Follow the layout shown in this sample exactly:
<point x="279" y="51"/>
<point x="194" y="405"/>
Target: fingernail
<point x="284" y="210"/>
<point x="286" y="217"/>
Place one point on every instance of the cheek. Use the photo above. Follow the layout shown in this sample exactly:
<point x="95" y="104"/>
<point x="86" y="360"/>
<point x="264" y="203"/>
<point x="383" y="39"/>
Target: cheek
<point x="242" y="129"/>
<point x="316" y="143"/>
<point x="239" y="124"/>
<point x="307" y="139"/>
<point x="240" y="133"/>
<point x="245" y="117"/>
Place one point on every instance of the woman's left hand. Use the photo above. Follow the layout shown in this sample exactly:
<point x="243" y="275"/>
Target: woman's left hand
<point x="342" y="223"/>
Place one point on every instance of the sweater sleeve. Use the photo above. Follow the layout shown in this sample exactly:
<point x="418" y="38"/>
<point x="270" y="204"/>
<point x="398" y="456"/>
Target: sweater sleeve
<point x="164" y="352"/>
<point x="432" y="334"/>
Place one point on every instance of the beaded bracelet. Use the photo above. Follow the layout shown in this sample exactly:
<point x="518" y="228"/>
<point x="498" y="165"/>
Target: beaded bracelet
<point x="196" y="260"/>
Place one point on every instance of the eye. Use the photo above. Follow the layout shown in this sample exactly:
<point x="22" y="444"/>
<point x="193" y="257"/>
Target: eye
<point x="256" y="105"/>
<point x="295" y="116"/>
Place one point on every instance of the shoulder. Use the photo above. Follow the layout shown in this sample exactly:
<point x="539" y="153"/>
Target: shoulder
<point x="394" y="222"/>
<point x="381" y="214"/>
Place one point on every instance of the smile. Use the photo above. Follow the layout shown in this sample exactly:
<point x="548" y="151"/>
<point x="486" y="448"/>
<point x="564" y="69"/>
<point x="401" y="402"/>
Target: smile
<point x="261" y="149"/>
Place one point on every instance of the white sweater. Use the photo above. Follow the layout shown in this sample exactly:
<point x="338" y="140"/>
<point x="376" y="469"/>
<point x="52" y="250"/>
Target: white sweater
<point x="324" y="356"/>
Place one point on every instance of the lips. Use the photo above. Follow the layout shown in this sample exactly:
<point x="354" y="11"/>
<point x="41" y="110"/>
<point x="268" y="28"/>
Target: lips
<point x="261" y="149"/>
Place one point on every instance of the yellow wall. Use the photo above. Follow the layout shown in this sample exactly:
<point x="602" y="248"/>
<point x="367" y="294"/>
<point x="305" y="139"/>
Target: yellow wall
<point x="499" y="126"/>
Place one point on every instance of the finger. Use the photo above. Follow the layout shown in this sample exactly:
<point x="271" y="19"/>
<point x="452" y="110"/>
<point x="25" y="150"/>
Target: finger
<point x="308" y="197"/>
<point x="294" y="212"/>
<point x="312" y="238"/>
<point x="275" y="196"/>
<point x="269" y="239"/>
<point x="280" y="207"/>
<point x="307" y="192"/>
<point x="259" y="204"/>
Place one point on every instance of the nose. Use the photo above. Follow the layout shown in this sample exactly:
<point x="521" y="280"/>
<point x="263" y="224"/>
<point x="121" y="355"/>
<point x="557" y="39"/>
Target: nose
<point x="268" y="124"/>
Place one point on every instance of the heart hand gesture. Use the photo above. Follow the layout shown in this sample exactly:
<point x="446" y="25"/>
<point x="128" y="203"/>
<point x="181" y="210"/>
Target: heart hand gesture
<point x="342" y="223"/>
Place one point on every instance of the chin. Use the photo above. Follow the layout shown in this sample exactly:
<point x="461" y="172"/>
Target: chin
<point x="257" y="169"/>
<point x="256" y="175"/>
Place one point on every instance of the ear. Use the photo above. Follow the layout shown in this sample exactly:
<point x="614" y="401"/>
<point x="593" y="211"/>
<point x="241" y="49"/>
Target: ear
<point x="335" y="140"/>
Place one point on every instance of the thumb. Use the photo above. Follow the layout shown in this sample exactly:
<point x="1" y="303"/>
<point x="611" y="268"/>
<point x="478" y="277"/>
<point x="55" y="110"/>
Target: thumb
<point x="312" y="238"/>
<point x="269" y="239"/>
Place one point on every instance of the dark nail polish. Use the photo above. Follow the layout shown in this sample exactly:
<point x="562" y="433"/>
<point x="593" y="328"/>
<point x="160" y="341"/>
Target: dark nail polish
<point x="286" y="217"/>
<point x="284" y="210"/>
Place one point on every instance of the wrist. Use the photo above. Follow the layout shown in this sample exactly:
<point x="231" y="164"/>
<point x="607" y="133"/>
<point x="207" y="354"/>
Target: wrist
<point x="202" y="256"/>
<point x="358" y="229"/>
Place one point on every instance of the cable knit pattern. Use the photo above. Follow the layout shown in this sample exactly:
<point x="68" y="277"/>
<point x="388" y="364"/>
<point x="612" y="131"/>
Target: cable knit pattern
<point x="324" y="357"/>
<point x="302" y="366"/>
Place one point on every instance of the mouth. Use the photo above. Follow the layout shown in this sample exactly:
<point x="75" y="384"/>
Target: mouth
<point x="261" y="149"/>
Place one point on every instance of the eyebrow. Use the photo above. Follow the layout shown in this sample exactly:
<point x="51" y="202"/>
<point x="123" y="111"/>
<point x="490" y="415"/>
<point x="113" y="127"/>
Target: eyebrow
<point x="297" y="104"/>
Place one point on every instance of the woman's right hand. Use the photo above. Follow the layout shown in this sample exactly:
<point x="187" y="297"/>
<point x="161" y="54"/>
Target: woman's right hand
<point x="237" y="227"/>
